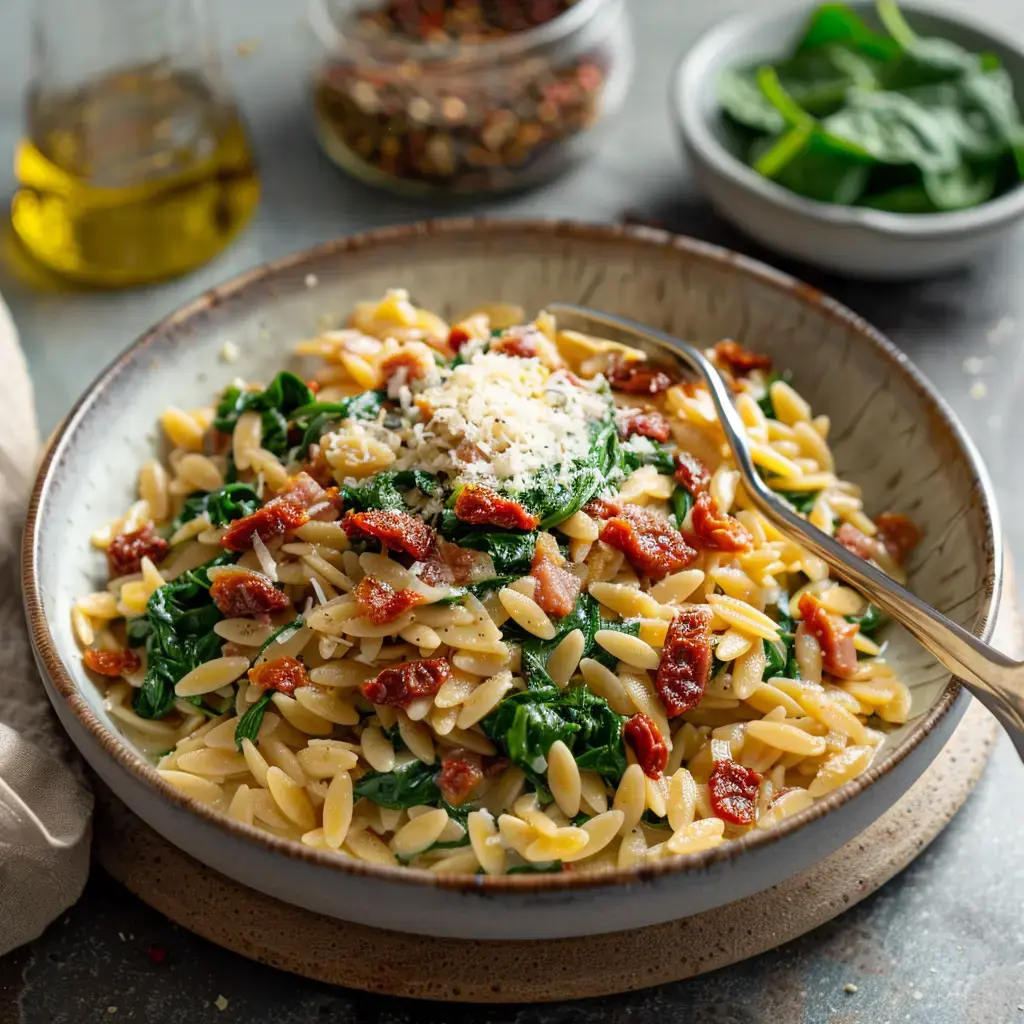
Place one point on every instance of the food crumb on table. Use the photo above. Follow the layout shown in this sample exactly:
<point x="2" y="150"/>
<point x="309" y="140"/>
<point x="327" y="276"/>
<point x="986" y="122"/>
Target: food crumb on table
<point x="850" y="988"/>
<point x="311" y="280"/>
<point x="978" y="390"/>
<point x="229" y="352"/>
<point x="221" y="1003"/>
<point x="975" y="365"/>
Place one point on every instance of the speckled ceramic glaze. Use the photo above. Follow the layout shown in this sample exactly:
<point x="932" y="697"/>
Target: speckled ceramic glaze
<point x="890" y="433"/>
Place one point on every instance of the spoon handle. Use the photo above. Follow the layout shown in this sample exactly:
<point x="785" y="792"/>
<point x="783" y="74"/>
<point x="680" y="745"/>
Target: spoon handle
<point x="996" y="680"/>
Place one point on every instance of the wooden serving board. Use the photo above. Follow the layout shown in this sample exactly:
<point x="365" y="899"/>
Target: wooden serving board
<point x="340" y="953"/>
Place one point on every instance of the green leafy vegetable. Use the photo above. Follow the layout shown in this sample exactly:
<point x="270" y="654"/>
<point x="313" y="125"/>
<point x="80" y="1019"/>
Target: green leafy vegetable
<point x="283" y="396"/>
<point x="802" y="501"/>
<point x="511" y="552"/>
<point x="315" y="418"/>
<point x="682" y="502"/>
<point x="288" y="627"/>
<point x="547" y="867"/>
<point x="643" y="452"/>
<point x="871" y="621"/>
<point x="405" y="786"/>
<point x="249" y="724"/>
<point x="781" y="661"/>
<point x="384" y="490"/>
<point x="232" y="501"/>
<point x="177" y="631"/>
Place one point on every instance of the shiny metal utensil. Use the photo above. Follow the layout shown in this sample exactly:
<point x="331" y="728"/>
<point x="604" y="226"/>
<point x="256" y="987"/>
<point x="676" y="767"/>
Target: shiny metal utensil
<point x="996" y="680"/>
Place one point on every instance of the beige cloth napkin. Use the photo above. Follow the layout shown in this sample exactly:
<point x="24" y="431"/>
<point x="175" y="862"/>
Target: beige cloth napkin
<point x="45" y="808"/>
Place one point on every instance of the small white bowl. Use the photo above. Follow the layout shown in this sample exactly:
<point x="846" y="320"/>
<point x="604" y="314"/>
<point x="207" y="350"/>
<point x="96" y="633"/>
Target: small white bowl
<point x="846" y="239"/>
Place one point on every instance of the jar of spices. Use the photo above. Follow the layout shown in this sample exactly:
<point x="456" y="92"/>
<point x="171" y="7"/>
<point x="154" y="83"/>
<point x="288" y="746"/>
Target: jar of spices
<point x="466" y="96"/>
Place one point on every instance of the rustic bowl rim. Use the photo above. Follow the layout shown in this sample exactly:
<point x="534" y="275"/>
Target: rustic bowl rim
<point x="700" y="63"/>
<point x="252" y="285"/>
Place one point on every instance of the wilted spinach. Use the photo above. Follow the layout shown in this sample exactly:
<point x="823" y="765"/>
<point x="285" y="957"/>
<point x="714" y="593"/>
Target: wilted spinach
<point x="232" y="501"/>
<point x="314" y="418"/>
<point x="802" y="501"/>
<point x="248" y="727"/>
<point x="384" y="490"/>
<point x="781" y="661"/>
<point x="405" y="786"/>
<point x="177" y="632"/>
<point x="282" y="397"/>
<point x="871" y="621"/>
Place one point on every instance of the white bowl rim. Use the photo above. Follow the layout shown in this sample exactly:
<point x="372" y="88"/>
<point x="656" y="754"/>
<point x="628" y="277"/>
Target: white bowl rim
<point x="695" y="67"/>
<point x="254" y="283"/>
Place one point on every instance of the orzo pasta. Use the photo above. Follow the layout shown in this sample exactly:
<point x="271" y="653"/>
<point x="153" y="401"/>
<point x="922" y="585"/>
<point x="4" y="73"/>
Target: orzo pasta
<point x="492" y="600"/>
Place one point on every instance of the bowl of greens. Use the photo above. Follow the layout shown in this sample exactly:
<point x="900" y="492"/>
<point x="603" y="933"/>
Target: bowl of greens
<point x="863" y="138"/>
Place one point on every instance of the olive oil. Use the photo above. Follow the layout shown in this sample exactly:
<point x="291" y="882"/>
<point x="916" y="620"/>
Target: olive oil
<point x="133" y="177"/>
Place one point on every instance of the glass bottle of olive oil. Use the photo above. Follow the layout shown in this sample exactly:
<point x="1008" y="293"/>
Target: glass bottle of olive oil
<point x="131" y="170"/>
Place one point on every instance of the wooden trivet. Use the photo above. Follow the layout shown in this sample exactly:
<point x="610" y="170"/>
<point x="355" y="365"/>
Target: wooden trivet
<point x="340" y="953"/>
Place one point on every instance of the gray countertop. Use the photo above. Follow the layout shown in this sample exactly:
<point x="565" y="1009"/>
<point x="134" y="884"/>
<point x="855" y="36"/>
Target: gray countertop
<point x="942" y="943"/>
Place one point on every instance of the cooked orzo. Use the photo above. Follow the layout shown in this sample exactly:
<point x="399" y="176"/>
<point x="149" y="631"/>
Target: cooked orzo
<point x="489" y="597"/>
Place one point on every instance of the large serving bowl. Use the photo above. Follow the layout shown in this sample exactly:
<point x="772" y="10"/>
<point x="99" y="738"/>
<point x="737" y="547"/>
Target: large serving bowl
<point x="890" y="432"/>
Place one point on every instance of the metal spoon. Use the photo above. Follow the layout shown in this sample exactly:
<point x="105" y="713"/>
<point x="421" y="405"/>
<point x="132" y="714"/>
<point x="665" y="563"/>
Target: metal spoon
<point x="996" y="680"/>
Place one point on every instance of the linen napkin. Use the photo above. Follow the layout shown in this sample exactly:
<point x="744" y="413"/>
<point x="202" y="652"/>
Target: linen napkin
<point x="45" y="807"/>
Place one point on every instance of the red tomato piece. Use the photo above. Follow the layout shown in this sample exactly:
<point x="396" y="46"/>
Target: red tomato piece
<point x="601" y="509"/>
<point x="520" y="343"/>
<point x="646" y="424"/>
<point x="685" y="661"/>
<point x="691" y="473"/>
<point x="380" y="602"/>
<point x="652" y="545"/>
<point x="557" y="588"/>
<point x="835" y="637"/>
<point x="856" y="541"/>
<point x="739" y="360"/>
<point x="413" y="365"/>
<point x="277" y="517"/>
<point x="400" y="685"/>
<point x="127" y="550"/>
<point x="457" y="337"/>
<point x="239" y="592"/>
<point x="285" y="675"/>
<point x="111" y="663"/>
<point x="899" y="534"/>
<point x="733" y="792"/>
<point x="643" y="735"/>
<point x="481" y="505"/>
<point x="399" y="531"/>
<point x="715" y="529"/>
<point x="461" y="772"/>
<point x="638" y="377"/>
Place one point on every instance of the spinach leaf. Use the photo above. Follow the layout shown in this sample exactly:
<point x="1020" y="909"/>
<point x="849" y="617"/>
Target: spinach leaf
<point x="742" y="100"/>
<point x="682" y="502"/>
<point x="276" y="403"/>
<point x="823" y="176"/>
<point x="232" y="501"/>
<point x="249" y="724"/>
<point x="288" y="627"/>
<point x="384" y="490"/>
<point x="960" y="188"/>
<point x="802" y="501"/>
<point x="902" y="199"/>
<point x="598" y="653"/>
<point x="871" y="621"/>
<point x="177" y="631"/>
<point x="314" y="418"/>
<point x="836" y="24"/>
<point x="766" y="401"/>
<point x="405" y="786"/>
<point x="642" y="451"/>
<point x="525" y="724"/>
<point x="511" y="552"/>
<point x="547" y="867"/>
<point x="781" y="660"/>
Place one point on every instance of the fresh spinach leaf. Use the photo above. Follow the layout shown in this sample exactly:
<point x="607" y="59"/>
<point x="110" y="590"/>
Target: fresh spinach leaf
<point x="781" y="660"/>
<point x="232" y="501"/>
<point x="249" y="724"/>
<point x="835" y="24"/>
<point x="285" y="394"/>
<point x="177" y="631"/>
<point x="824" y="176"/>
<point x="742" y="100"/>
<point x="405" y="786"/>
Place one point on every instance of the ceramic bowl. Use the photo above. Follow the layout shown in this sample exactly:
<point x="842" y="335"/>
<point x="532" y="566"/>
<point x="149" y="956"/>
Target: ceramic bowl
<point x="890" y="432"/>
<point x="845" y="239"/>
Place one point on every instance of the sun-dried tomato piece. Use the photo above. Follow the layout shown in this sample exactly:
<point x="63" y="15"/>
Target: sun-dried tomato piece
<point x="899" y="534"/>
<point x="415" y="366"/>
<point x="400" y="685"/>
<point x="461" y="772"/>
<point x="448" y="564"/>
<point x="732" y="789"/>
<point x="111" y="663"/>
<point x="639" y="377"/>
<point x="521" y="344"/>
<point x="643" y="735"/>
<point x="457" y="337"/>
<point x="740" y="360"/>
<point x="495" y="764"/>
<point x="277" y="517"/>
<point x="239" y="592"/>
<point x="482" y="506"/>
<point x="652" y="545"/>
<point x="646" y="424"/>
<point x="557" y="588"/>
<point x="396" y="530"/>
<point x="691" y="473"/>
<point x="127" y="550"/>
<point x="380" y="602"/>
<point x="285" y="675"/>
<point x="601" y="509"/>
<point x="834" y="636"/>
<point x="856" y="541"/>
<point x="715" y="529"/>
<point x="685" y="661"/>
<point x="317" y="467"/>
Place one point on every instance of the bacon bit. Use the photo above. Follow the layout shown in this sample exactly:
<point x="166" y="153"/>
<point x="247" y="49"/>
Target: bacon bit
<point x="652" y="545"/>
<point x="285" y="675"/>
<point x="740" y="360"/>
<point x="380" y="602"/>
<point x="644" y="736"/>
<point x="856" y="541"/>
<point x="241" y="593"/>
<point x="414" y="365"/>
<point x="733" y="792"/>
<point x="277" y="517"/>
<point x="638" y="377"/>
<point x="127" y="550"/>
<point x="691" y="473"/>
<point x="111" y="663"/>
<point x="461" y="772"/>
<point x="457" y="337"/>
<point x="495" y="764"/>
<point x="400" y="685"/>
<point x="685" y="661"/>
<point x="157" y="954"/>
<point x="481" y="505"/>
<point x="396" y="530"/>
<point x="838" y="655"/>
<point x="899" y="534"/>
<point x="715" y="529"/>
<point x="647" y="424"/>
<point x="557" y="588"/>
<point x="304" y="491"/>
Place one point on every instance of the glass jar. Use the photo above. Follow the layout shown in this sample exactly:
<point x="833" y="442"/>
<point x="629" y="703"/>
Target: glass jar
<point x="466" y="96"/>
